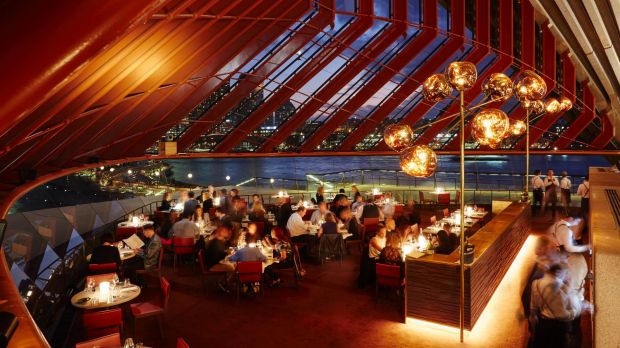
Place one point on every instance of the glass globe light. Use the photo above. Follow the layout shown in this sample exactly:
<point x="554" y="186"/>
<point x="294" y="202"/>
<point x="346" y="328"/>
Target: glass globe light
<point x="462" y="75"/>
<point x="497" y="87"/>
<point x="419" y="160"/>
<point x="436" y="87"/>
<point x="398" y="136"/>
<point x="566" y="104"/>
<point x="490" y="126"/>
<point x="517" y="128"/>
<point x="553" y="106"/>
<point x="535" y="106"/>
<point x="529" y="86"/>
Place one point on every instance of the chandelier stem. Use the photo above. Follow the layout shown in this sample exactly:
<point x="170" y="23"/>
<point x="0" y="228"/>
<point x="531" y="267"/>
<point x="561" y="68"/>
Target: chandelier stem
<point x="527" y="155"/>
<point x="462" y="222"/>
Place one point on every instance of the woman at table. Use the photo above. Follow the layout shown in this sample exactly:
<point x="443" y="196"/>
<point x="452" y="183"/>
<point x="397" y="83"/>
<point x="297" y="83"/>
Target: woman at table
<point x="329" y="226"/>
<point x="320" y="194"/>
<point x="444" y="244"/>
<point x="377" y="243"/>
<point x="355" y="192"/>
<point x="256" y="199"/>
<point x="403" y="230"/>
<point x="166" y="202"/>
<point x="283" y="255"/>
<point x="198" y="217"/>
<point x="392" y="254"/>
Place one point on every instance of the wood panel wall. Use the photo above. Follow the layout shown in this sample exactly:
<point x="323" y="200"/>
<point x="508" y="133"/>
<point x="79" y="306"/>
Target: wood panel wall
<point x="433" y="280"/>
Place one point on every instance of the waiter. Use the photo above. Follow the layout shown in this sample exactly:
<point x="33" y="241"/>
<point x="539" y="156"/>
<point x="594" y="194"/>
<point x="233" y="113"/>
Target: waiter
<point x="565" y="185"/>
<point x="551" y="196"/>
<point x="537" y="186"/>
<point x="584" y="192"/>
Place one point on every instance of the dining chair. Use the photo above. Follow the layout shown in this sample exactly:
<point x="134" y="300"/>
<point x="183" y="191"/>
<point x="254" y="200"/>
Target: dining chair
<point x="371" y="225"/>
<point x="125" y="232"/>
<point x="101" y="268"/>
<point x="154" y="271"/>
<point x="97" y="323"/>
<point x="249" y="273"/>
<point x="181" y="343"/>
<point x="331" y="245"/>
<point x="423" y="200"/>
<point x="457" y="198"/>
<point x="113" y="340"/>
<point x="399" y="210"/>
<point x="388" y="276"/>
<point x="153" y="309"/>
<point x="205" y="272"/>
<point x="443" y="198"/>
<point x="182" y="246"/>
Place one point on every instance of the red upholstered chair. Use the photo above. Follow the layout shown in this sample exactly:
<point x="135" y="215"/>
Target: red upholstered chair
<point x="370" y="227"/>
<point x="457" y="198"/>
<point x="150" y="309"/>
<point x="126" y="232"/>
<point x="399" y="210"/>
<point x="181" y="343"/>
<point x="443" y="198"/>
<point x="388" y="276"/>
<point x="101" y="268"/>
<point x="101" y="323"/>
<point x="113" y="340"/>
<point x="182" y="246"/>
<point x="249" y="273"/>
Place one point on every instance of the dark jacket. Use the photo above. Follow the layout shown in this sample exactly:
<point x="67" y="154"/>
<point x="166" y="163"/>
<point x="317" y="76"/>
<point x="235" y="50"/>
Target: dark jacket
<point x="370" y="211"/>
<point x="284" y="212"/>
<point x="150" y="254"/>
<point x="215" y="252"/>
<point x="106" y="254"/>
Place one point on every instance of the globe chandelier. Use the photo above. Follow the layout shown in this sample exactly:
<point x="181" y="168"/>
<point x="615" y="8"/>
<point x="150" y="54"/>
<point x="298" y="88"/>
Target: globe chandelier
<point x="489" y="127"/>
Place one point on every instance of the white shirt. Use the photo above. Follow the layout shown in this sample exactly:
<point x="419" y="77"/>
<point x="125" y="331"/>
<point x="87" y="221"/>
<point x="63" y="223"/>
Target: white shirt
<point x="564" y="237"/>
<point x="185" y="229"/>
<point x="537" y="182"/>
<point x="565" y="183"/>
<point x="296" y="225"/>
<point x="317" y="216"/>
<point x="554" y="300"/>
<point x="553" y="181"/>
<point x="584" y="189"/>
<point x="388" y="209"/>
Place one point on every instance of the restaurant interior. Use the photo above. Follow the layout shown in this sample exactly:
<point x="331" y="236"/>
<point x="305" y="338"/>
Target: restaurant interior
<point x="309" y="173"/>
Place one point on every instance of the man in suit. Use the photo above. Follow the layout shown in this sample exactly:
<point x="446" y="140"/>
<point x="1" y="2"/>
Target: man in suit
<point x="284" y="212"/>
<point x="371" y="211"/>
<point x="147" y="257"/>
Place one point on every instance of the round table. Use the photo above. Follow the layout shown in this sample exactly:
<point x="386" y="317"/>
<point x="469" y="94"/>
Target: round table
<point x="125" y="224"/>
<point x="125" y="295"/>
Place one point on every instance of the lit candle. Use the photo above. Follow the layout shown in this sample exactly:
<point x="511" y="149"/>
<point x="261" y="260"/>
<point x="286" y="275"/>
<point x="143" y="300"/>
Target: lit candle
<point x="104" y="291"/>
<point x="375" y="191"/>
<point x="280" y="193"/>
<point x="135" y="221"/>
<point x="422" y="242"/>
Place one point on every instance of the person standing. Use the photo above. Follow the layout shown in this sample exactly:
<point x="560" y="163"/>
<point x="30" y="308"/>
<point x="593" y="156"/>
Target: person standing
<point x="584" y="192"/>
<point x="320" y="194"/>
<point x="537" y="187"/>
<point x="189" y="207"/>
<point x="565" y="185"/>
<point x="551" y="196"/>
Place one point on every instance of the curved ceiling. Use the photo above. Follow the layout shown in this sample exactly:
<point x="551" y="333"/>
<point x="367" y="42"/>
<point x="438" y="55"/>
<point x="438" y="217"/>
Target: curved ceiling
<point x="85" y="84"/>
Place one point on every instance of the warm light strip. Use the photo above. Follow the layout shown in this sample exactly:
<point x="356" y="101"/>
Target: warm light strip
<point x="504" y="307"/>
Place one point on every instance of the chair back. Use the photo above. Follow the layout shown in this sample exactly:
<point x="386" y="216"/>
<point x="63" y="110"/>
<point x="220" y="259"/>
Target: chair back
<point x="125" y="232"/>
<point x="433" y="220"/>
<point x="100" y="323"/>
<point x="161" y="258"/>
<point x="100" y="268"/>
<point x="388" y="275"/>
<point x="370" y="225"/>
<point x="249" y="272"/>
<point x="331" y="244"/>
<point x="201" y="262"/>
<point x="443" y="198"/>
<point x="165" y="291"/>
<point x="399" y="210"/>
<point x="457" y="197"/>
<point x="181" y="343"/>
<point x="113" y="340"/>
<point x="183" y="245"/>
<point x="446" y="212"/>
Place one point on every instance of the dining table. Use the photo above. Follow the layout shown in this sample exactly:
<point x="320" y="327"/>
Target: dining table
<point x="92" y="299"/>
<point x="142" y="223"/>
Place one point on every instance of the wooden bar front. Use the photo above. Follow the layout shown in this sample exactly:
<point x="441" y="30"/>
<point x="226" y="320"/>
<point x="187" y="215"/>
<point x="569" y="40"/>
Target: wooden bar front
<point x="433" y="281"/>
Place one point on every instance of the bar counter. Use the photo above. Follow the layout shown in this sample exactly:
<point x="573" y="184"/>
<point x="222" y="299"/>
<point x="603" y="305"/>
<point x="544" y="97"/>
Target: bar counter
<point x="432" y="292"/>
